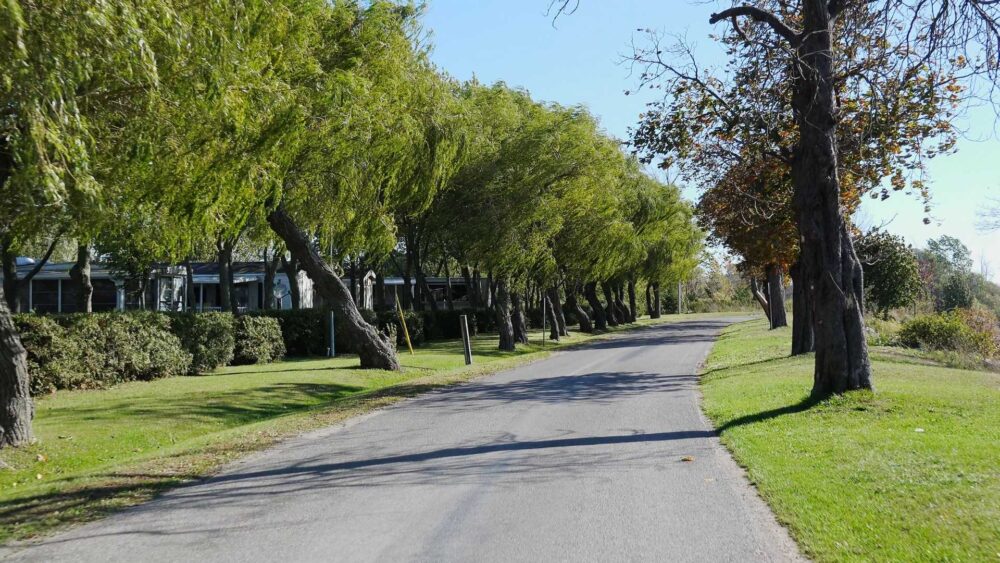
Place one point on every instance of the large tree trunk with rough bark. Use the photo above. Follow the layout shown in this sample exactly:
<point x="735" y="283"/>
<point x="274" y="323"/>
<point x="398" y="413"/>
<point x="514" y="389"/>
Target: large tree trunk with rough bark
<point x="776" y="296"/>
<point x="11" y="287"/>
<point x="225" y="259"/>
<point x="550" y="317"/>
<point x="830" y="265"/>
<point x="80" y="274"/>
<point x="573" y="303"/>
<point x="600" y="316"/>
<point x="502" y="308"/>
<point x="802" y="324"/>
<point x="557" y="310"/>
<point x="517" y="320"/>
<point x="16" y="409"/>
<point x="373" y="348"/>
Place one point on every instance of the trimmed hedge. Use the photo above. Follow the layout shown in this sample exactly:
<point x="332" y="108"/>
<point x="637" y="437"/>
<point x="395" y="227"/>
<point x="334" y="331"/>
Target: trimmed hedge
<point x="258" y="340"/>
<point x="208" y="337"/>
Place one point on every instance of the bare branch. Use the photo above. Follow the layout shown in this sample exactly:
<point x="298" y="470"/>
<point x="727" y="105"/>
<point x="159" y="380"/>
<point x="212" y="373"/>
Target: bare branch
<point x="762" y="16"/>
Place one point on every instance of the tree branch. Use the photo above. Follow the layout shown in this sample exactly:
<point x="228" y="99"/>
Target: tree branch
<point x="48" y="254"/>
<point x="759" y="15"/>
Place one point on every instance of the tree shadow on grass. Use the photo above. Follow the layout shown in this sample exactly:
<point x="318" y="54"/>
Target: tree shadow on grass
<point x="801" y="406"/>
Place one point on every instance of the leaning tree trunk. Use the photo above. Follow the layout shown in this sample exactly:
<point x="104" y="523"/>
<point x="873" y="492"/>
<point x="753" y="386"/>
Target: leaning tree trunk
<point x="600" y="317"/>
<point x="16" y="409"/>
<point x="373" y="348"/>
<point x="517" y="320"/>
<point x="631" y="301"/>
<point x="657" y="308"/>
<point x="624" y="315"/>
<point x="550" y="315"/>
<point x="831" y="267"/>
<point x="761" y="298"/>
<point x="802" y="324"/>
<point x="581" y="314"/>
<point x="80" y="274"/>
<point x="609" y="309"/>
<point x="504" y="324"/>
<point x="557" y="311"/>
<point x="776" y="296"/>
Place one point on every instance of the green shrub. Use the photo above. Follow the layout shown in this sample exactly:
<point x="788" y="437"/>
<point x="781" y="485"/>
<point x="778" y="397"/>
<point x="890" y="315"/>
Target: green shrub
<point x="208" y="337"/>
<point x="446" y="325"/>
<point x="54" y="356"/>
<point x="135" y="346"/>
<point x="945" y="331"/>
<point x="414" y="324"/>
<point x="258" y="340"/>
<point x="882" y="332"/>
<point x="303" y="331"/>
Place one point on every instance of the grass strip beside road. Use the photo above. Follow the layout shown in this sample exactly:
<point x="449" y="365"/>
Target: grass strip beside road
<point x="99" y="451"/>
<point x="908" y="473"/>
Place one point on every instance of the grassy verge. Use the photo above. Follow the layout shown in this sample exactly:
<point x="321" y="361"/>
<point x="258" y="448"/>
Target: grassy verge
<point x="909" y="473"/>
<point x="99" y="451"/>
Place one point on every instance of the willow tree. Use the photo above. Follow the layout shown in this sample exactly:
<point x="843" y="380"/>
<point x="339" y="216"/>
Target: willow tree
<point x="65" y="67"/>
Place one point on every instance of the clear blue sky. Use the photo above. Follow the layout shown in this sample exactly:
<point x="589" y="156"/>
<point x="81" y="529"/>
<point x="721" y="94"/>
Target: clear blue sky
<point x="578" y="62"/>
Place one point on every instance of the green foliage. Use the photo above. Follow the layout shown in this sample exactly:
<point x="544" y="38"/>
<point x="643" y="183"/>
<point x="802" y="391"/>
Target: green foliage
<point x="946" y="331"/>
<point x="84" y="351"/>
<point x="258" y="340"/>
<point x="956" y="292"/>
<point x="304" y="331"/>
<point x="414" y="324"/>
<point x="891" y="273"/>
<point x="208" y="337"/>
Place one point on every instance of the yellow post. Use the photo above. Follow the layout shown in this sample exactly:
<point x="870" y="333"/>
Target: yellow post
<point x="402" y="323"/>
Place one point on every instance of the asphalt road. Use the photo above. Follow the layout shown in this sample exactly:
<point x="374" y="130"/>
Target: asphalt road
<point x="574" y="458"/>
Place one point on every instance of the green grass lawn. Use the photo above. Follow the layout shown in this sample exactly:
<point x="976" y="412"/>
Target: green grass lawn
<point x="910" y="472"/>
<point x="100" y="450"/>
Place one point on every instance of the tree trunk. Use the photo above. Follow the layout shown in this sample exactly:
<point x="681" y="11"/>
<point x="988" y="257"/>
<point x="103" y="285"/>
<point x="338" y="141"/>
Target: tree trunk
<point x="291" y="268"/>
<point x="380" y="305"/>
<point x="600" y="317"/>
<point x="225" y="259"/>
<point x="406" y="300"/>
<point x="448" y="299"/>
<point x="518" y="322"/>
<point x="11" y="287"/>
<point x="373" y="348"/>
<point x="550" y="317"/>
<point x="657" y="307"/>
<point x="80" y="273"/>
<point x="802" y="324"/>
<point x="504" y="324"/>
<point x="573" y="303"/>
<point x="776" y="296"/>
<point x="609" y="309"/>
<point x="190" y="296"/>
<point x="491" y="299"/>
<point x="471" y="291"/>
<point x="354" y="280"/>
<point x="631" y="301"/>
<point x="271" y="265"/>
<point x="16" y="409"/>
<point x="761" y="299"/>
<point x="649" y="301"/>
<point x="830" y="265"/>
<point x="623" y="313"/>
<point x="557" y="310"/>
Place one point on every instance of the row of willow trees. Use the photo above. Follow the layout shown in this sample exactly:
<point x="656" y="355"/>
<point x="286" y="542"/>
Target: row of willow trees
<point x="151" y="131"/>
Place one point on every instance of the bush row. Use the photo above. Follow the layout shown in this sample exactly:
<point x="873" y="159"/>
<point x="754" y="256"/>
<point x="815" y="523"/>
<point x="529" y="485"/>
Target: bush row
<point x="86" y="351"/>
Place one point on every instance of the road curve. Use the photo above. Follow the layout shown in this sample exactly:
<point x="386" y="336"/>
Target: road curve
<point x="578" y="457"/>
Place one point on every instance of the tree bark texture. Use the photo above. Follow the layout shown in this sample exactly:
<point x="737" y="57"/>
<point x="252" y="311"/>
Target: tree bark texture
<point x="776" y="296"/>
<point x="80" y="274"/>
<point x="657" y="307"/>
<point x="573" y="303"/>
<point x="802" y="323"/>
<point x="632" y="310"/>
<point x="502" y="310"/>
<point x="471" y="290"/>
<point x="610" y="309"/>
<point x="448" y="299"/>
<point x="225" y="259"/>
<point x="557" y="310"/>
<point x="830" y="265"/>
<point x="550" y="317"/>
<point x="373" y="348"/>
<point x="16" y="409"/>
<point x="518" y="322"/>
<point x="761" y="299"/>
<point x="11" y="287"/>
<point x="600" y="315"/>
